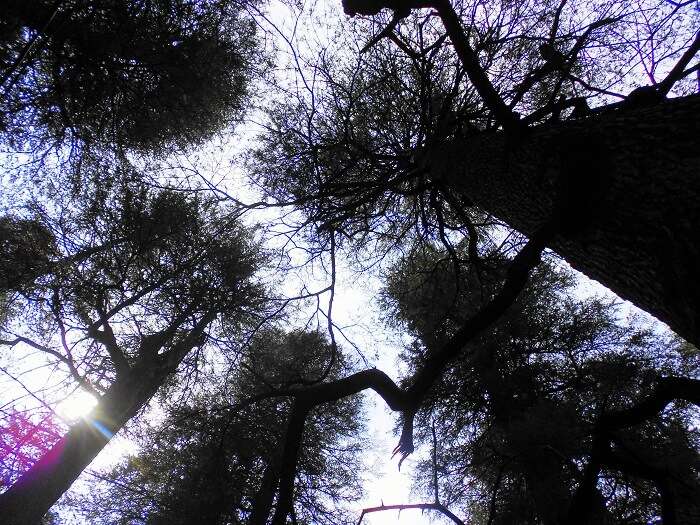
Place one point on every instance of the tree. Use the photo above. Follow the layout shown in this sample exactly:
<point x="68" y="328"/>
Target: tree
<point x="606" y="425"/>
<point x="517" y="117"/>
<point x="526" y="424"/>
<point x="118" y="294"/>
<point x="122" y="75"/>
<point x="156" y="270"/>
<point x="207" y="459"/>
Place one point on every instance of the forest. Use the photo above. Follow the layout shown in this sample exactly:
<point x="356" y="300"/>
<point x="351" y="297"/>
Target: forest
<point x="240" y="239"/>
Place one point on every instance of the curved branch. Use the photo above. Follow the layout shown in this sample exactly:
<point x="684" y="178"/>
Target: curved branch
<point x="439" y="507"/>
<point x="406" y="401"/>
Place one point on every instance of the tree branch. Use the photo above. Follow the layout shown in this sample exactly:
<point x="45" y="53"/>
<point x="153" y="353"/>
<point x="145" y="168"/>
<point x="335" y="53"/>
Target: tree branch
<point x="63" y="359"/>
<point x="422" y="506"/>
<point x="667" y="390"/>
<point x="470" y="60"/>
<point x="407" y="401"/>
<point x="172" y="358"/>
<point x="678" y="71"/>
<point x="107" y="338"/>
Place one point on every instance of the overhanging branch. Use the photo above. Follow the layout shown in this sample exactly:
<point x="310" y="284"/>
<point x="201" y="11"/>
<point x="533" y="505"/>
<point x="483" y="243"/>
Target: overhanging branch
<point x="668" y="389"/>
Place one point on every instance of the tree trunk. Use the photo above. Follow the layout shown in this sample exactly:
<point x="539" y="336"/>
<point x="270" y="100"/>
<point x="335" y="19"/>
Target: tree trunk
<point x="629" y="179"/>
<point x="26" y="502"/>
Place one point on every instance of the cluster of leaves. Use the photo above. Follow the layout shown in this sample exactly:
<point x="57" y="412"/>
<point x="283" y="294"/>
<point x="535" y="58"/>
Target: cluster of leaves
<point x="131" y="75"/>
<point x="25" y="250"/>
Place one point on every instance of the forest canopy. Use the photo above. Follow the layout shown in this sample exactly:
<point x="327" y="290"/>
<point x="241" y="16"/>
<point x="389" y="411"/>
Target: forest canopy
<point x="233" y="226"/>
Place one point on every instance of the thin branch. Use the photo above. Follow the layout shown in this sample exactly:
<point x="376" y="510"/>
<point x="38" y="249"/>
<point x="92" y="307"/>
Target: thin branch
<point x="422" y="506"/>
<point x="83" y="382"/>
<point x="28" y="48"/>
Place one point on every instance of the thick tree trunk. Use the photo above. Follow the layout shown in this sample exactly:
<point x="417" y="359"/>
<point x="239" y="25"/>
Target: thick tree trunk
<point x="631" y="179"/>
<point x="26" y="502"/>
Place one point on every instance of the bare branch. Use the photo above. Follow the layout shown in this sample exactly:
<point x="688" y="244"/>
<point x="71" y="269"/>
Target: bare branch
<point x="422" y="506"/>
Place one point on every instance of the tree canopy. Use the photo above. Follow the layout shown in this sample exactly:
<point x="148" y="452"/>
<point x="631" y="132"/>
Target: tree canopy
<point x="130" y="75"/>
<point x="193" y="276"/>
<point x="516" y="417"/>
<point x="136" y="287"/>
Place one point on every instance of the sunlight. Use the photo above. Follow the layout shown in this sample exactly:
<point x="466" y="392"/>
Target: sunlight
<point x="77" y="405"/>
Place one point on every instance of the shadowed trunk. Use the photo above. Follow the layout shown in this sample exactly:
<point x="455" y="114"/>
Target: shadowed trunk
<point x="38" y="489"/>
<point x="631" y="176"/>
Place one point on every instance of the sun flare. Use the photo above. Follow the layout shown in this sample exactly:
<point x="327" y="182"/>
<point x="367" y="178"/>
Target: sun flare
<point x="77" y="405"/>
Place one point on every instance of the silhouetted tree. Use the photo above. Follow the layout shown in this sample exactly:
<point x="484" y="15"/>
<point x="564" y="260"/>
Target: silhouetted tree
<point x="159" y="268"/>
<point x="450" y="121"/>
<point x="127" y="75"/>
<point x="526" y="423"/>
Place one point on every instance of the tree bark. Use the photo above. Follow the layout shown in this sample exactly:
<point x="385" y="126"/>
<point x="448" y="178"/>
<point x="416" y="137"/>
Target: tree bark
<point x="630" y="178"/>
<point x="26" y="502"/>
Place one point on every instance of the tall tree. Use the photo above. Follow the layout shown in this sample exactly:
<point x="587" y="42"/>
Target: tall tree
<point x="155" y="271"/>
<point x="520" y="109"/>
<point x="466" y="339"/>
<point x="209" y="457"/>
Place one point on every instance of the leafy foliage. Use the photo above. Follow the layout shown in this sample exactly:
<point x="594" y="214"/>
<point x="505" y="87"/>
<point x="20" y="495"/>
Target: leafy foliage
<point x="117" y="284"/>
<point x="25" y="249"/>
<point x="131" y="75"/>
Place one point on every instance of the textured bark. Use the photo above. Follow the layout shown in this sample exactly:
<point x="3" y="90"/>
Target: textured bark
<point x="632" y="178"/>
<point x="38" y="489"/>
